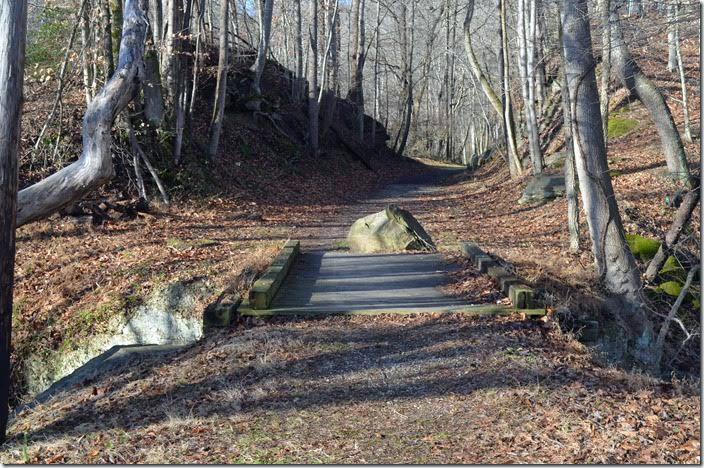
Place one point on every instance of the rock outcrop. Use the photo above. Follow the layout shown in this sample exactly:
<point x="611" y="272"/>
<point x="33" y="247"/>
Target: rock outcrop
<point x="543" y="188"/>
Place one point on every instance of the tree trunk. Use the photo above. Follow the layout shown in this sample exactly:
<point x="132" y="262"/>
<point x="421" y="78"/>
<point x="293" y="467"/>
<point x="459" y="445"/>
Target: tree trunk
<point x="299" y="53"/>
<point x="377" y="45"/>
<point x="540" y="75"/>
<point x="171" y="55"/>
<point x="197" y="59"/>
<point x="13" y="29"/>
<point x="221" y="85"/>
<point x="570" y="174"/>
<point x="86" y="40"/>
<point x="151" y="88"/>
<point x="329" y="99"/>
<point x="614" y="262"/>
<point x="94" y="167"/>
<point x="507" y="108"/>
<point x="605" y="69"/>
<point x="265" y="12"/>
<point x="526" y="53"/>
<point x="107" y="38"/>
<point x="631" y="76"/>
<point x="488" y="90"/>
<point x="683" y="82"/>
<point x="157" y="22"/>
<point x="408" y="76"/>
<point x="671" y="38"/>
<point x="356" y="91"/>
<point x="313" y="80"/>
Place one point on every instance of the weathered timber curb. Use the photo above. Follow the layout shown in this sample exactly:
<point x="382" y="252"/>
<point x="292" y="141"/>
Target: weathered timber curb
<point x="265" y="288"/>
<point x="522" y="296"/>
<point x="476" y="310"/>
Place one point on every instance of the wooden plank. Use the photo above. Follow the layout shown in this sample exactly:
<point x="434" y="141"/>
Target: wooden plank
<point x="265" y="288"/>
<point x="480" y="310"/>
<point x="521" y="296"/>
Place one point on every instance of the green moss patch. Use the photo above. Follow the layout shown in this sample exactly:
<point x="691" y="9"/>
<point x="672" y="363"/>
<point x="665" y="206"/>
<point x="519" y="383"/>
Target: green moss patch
<point x="642" y="246"/>
<point x="619" y="125"/>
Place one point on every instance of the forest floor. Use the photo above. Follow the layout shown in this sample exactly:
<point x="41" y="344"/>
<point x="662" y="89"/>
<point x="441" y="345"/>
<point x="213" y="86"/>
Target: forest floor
<point x="416" y="389"/>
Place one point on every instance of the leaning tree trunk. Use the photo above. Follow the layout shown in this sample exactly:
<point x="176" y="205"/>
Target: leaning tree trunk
<point x="221" y="86"/>
<point x="13" y="24"/>
<point x="94" y="167"/>
<point x="265" y="11"/>
<point x="682" y="217"/>
<point x="633" y="78"/>
<point x="491" y="95"/>
<point x="614" y="262"/>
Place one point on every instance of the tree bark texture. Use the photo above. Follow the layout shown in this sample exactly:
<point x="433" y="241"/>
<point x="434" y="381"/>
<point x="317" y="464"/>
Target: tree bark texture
<point x="570" y="175"/>
<point x="615" y="265"/>
<point x="13" y="28"/>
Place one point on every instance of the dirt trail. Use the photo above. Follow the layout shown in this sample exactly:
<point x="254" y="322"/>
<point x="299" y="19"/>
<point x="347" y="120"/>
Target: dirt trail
<point x="406" y="192"/>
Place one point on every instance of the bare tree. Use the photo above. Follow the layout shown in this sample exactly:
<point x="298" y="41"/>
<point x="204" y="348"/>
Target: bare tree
<point x="265" y="10"/>
<point x="615" y="265"/>
<point x="94" y="167"/>
<point x="633" y="78"/>
<point x="13" y="27"/>
<point x="221" y="86"/>
<point x="356" y="90"/>
<point x="526" y="17"/>
<point x="491" y="95"/>
<point x="313" y="79"/>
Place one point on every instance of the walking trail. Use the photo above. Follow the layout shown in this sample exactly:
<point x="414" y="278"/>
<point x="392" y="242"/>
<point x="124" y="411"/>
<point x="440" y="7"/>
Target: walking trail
<point x="328" y="280"/>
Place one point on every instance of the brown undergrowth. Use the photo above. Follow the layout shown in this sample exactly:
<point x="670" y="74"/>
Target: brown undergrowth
<point x="385" y="389"/>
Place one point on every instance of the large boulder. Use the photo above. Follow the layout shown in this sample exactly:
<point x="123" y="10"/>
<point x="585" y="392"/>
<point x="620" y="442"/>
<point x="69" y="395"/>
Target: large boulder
<point x="390" y="230"/>
<point x="543" y="188"/>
